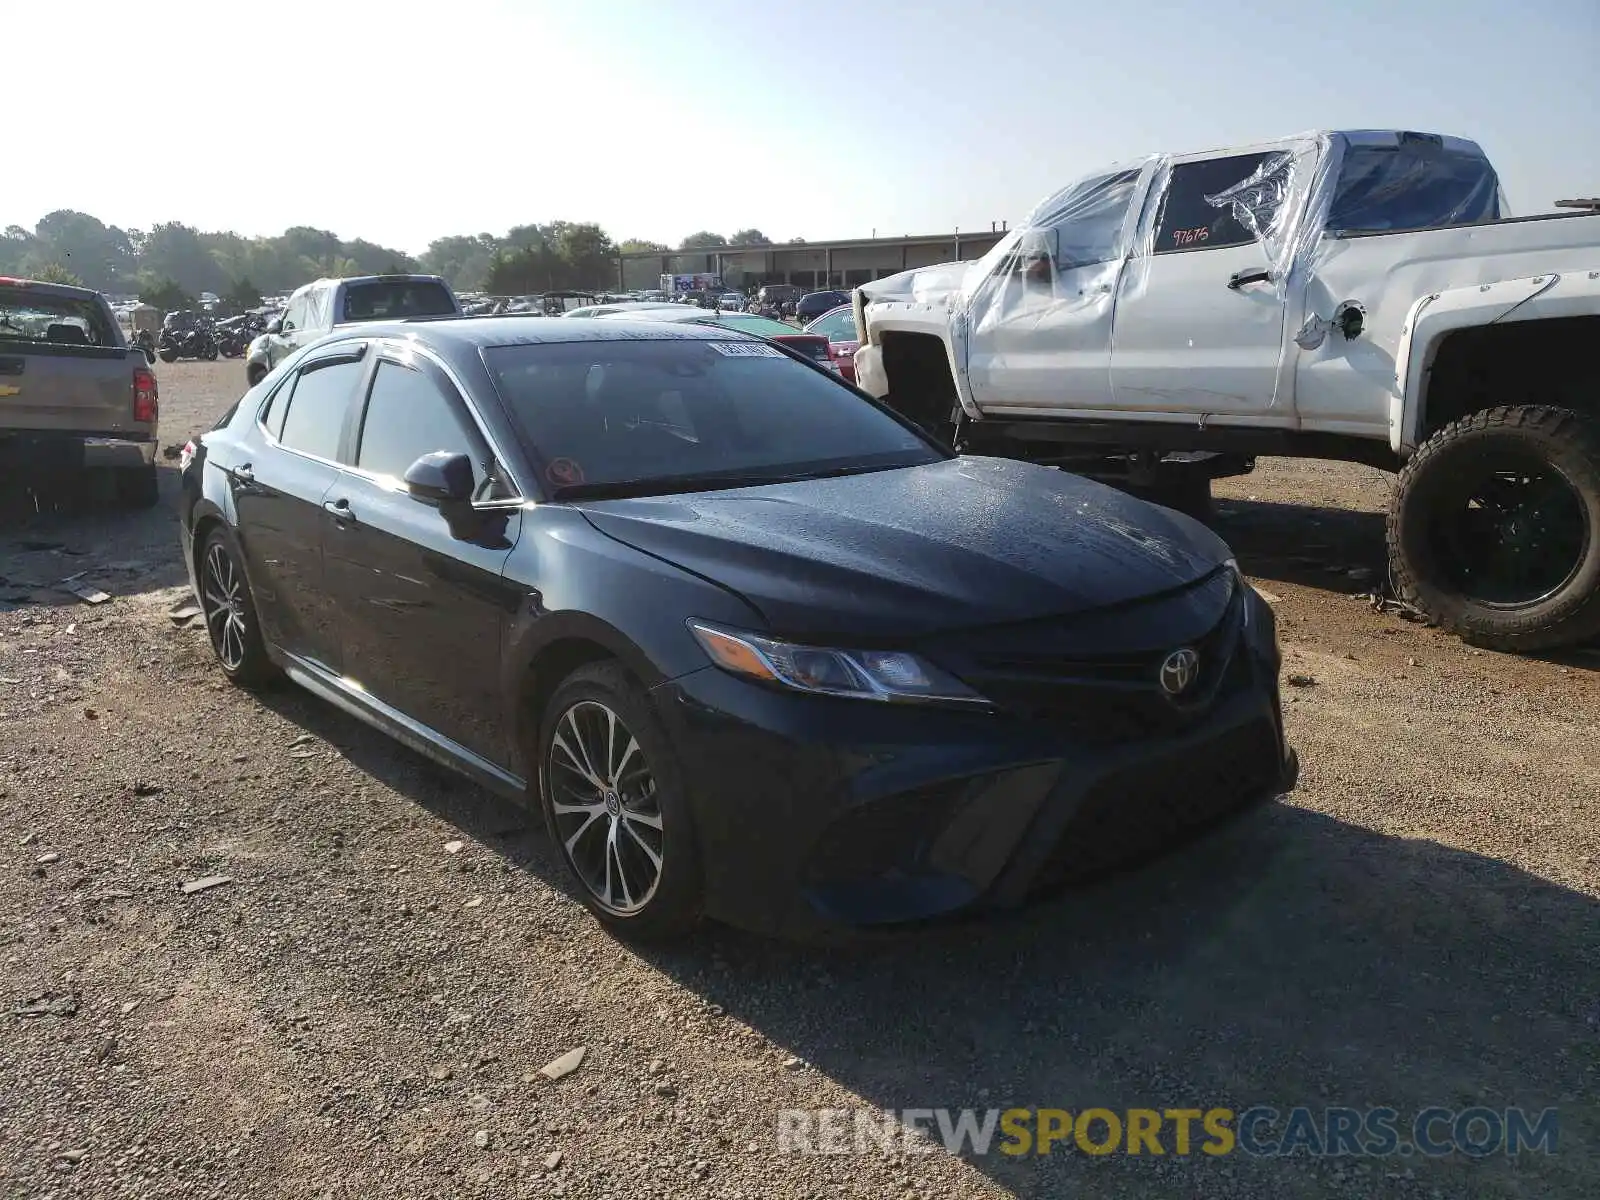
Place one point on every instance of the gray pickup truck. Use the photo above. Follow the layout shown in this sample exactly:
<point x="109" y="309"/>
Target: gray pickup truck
<point x="73" y="394"/>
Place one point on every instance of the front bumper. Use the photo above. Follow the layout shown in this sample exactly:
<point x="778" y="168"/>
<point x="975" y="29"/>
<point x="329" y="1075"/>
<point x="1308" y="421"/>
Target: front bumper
<point x="813" y="812"/>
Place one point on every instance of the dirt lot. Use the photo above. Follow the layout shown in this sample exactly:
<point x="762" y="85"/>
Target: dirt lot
<point x="362" y="1012"/>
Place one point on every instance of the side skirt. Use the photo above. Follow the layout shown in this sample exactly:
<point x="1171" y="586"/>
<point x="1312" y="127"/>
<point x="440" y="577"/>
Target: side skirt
<point x="412" y="733"/>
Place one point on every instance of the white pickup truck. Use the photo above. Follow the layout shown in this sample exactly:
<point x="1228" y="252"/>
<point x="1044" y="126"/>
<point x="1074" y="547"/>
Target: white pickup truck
<point x="1359" y="295"/>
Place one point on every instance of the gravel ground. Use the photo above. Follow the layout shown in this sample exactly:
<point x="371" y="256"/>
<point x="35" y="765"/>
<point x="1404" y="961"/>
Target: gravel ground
<point x="365" y="1007"/>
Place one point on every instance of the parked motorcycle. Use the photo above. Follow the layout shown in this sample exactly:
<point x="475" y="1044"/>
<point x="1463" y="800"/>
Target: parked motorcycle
<point x="187" y="343"/>
<point x="235" y="334"/>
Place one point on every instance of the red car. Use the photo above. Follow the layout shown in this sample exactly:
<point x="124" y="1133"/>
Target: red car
<point x="838" y="325"/>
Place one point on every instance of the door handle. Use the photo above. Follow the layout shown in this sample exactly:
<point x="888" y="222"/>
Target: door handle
<point x="1249" y="275"/>
<point x="339" y="510"/>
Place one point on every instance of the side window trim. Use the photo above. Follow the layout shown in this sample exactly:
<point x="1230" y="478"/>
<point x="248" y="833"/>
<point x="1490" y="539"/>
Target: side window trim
<point x="343" y="353"/>
<point x="398" y="354"/>
<point x="445" y="385"/>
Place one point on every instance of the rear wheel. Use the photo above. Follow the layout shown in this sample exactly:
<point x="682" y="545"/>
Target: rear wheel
<point x="613" y="799"/>
<point x="1494" y="533"/>
<point x="230" y="610"/>
<point x="166" y="355"/>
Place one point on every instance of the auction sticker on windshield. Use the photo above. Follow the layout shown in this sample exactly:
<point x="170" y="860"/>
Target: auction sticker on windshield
<point x="746" y="349"/>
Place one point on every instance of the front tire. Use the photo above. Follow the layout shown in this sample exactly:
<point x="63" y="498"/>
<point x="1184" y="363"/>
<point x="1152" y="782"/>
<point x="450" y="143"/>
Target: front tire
<point x="1494" y="532"/>
<point x="613" y="798"/>
<point x="229" y="610"/>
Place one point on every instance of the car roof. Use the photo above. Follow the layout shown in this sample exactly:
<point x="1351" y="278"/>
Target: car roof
<point x="461" y="339"/>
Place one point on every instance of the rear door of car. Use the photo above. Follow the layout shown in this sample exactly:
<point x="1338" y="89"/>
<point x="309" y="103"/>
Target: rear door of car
<point x="279" y="479"/>
<point x="422" y="597"/>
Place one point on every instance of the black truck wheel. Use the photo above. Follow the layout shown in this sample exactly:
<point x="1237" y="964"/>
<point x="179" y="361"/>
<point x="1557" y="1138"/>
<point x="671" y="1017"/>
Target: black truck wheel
<point x="1494" y="532"/>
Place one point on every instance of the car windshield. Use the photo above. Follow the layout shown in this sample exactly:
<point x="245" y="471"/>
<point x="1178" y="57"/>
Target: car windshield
<point x="393" y="299"/>
<point x="30" y="315"/>
<point x="660" y="415"/>
<point x="837" y="326"/>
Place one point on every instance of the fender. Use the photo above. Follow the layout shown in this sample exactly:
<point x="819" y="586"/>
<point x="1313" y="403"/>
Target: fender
<point x="948" y="325"/>
<point x="1432" y="317"/>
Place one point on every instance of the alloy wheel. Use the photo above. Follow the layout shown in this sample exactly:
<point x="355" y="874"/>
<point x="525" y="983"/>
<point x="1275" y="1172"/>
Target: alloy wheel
<point x="606" y="810"/>
<point x="222" y="599"/>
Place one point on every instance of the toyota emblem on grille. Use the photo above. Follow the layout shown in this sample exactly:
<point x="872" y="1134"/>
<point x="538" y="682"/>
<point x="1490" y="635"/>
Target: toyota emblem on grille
<point x="1178" y="671"/>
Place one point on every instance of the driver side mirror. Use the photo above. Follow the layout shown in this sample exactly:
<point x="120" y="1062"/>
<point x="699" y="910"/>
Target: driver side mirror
<point x="275" y="326"/>
<point x="441" y="478"/>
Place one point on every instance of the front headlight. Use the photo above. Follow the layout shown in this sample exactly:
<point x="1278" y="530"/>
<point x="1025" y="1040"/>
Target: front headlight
<point x="890" y="675"/>
<point x="1242" y="585"/>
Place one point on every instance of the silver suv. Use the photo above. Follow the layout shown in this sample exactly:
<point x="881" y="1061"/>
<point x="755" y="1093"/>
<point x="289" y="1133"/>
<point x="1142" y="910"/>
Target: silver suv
<point x="317" y="308"/>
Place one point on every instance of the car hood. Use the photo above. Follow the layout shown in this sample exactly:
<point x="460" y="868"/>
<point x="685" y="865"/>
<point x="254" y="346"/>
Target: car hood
<point x="905" y="553"/>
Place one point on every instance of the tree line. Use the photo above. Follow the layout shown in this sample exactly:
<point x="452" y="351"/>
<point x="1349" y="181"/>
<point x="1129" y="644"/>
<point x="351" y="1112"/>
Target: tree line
<point x="171" y="263"/>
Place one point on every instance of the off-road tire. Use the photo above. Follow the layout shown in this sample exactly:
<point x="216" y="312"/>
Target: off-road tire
<point x="138" y="487"/>
<point x="675" y="907"/>
<point x="1569" y="444"/>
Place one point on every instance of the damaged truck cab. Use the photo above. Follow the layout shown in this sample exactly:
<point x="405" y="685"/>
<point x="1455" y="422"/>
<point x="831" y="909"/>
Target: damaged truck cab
<point x="1359" y="295"/>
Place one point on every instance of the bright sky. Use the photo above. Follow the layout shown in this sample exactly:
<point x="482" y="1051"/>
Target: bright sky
<point x="402" y="121"/>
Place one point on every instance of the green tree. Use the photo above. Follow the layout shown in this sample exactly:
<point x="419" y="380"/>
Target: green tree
<point x="165" y="294"/>
<point x="704" y="240"/>
<point x="518" y="272"/>
<point x="463" y="260"/>
<point x="750" y="237"/>
<point x="640" y="246"/>
<point x="179" y="253"/>
<point x="15" y="245"/>
<point x="243" y="295"/>
<point x="56" y="273"/>
<point x="585" y="254"/>
<point x="99" y="254"/>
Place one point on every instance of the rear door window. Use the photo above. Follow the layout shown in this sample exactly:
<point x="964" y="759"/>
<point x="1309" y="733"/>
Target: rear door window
<point x="1191" y="218"/>
<point x="317" y="406"/>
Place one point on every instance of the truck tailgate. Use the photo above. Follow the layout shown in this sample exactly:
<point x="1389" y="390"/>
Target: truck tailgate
<point x="66" y="389"/>
<point x="65" y="368"/>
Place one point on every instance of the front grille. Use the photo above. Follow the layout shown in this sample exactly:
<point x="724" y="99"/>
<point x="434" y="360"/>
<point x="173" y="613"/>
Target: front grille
<point x="1137" y="812"/>
<point x="1110" y="698"/>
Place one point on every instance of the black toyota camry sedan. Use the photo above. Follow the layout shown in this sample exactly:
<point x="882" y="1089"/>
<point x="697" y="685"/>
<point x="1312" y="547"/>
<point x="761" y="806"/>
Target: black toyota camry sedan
<point x="755" y="647"/>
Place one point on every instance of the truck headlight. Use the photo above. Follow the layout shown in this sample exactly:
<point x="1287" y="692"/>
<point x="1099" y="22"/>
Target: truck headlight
<point x="886" y="675"/>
